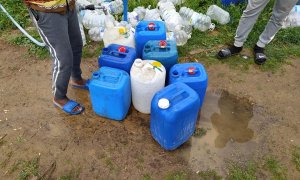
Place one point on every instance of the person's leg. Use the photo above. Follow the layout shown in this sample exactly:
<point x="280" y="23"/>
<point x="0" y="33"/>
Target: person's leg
<point x="247" y="21"/>
<point x="76" y="45"/>
<point x="281" y="10"/>
<point x="53" y="28"/>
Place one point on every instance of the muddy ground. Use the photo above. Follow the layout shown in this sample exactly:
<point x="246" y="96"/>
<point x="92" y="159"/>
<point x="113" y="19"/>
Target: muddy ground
<point x="248" y="116"/>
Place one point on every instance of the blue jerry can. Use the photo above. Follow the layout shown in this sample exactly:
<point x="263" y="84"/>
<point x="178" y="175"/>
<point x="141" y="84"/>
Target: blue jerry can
<point x="163" y="51"/>
<point x="174" y="112"/>
<point x="146" y="31"/>
<point x="117" y="56"/>
<point x="110" y="93"/>
<point x="192" y="74"/>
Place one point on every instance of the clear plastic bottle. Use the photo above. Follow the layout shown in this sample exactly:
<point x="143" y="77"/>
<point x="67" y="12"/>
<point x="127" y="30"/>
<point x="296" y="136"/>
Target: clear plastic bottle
<point x="181" y="37"/>
<point x="152" y="15"/>
<point x="116" y="7"/>
<point x="170" y="16"/>
<point x="218" y="14"/>
<point x="96" y="33"/>
<point x="136" y="15"/>
<point x="177" y="2"/>
<point x="293" y="19"/>
<point x="198" y="20"/>
<point x="92" y="19"/>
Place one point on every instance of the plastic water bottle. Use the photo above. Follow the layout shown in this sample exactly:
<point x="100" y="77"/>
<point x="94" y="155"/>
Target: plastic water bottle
<point x="116" y="7"/>
<point x="181" y="37"/>
<point x="198" y="20"/>
<point x="136" y="15"/>
<point x="152" y="15"/>
<point x="177" y="2"/>
<point x="218" y="14"/>
<point x="92" y="19"/>
<point x="170" y="16"/>
<point x="96" y="33"/>
<point x="293" y="19"/>
<point x="82" y="33"/>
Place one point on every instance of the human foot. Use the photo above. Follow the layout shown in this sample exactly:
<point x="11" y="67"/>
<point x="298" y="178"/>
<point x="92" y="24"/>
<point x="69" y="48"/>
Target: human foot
<point x="68" y="106"/>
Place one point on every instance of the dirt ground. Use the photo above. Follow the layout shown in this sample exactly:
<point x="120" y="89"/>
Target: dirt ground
<point x="91" y="147"/>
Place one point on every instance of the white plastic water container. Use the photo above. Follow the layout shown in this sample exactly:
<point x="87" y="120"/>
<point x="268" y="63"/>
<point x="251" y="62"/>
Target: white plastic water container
<point x="170" y="16"/>
<point x="152" y="15"/>
<point x="218" y="14"/>
<point x="93" y="19"/>
<point x="147" y="78"/>
<point x="293" y="19"/>
<point x="121" y="34"/>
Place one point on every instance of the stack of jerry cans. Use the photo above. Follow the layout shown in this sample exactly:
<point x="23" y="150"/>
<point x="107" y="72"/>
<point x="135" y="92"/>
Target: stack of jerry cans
<point x="163" y="51"/>
<point x="146" y="31"/>
<point x="117" y="56"/>
<point x="192" y="74"/>
<point x="174" y="112"/>
<point x="110" y="93"/>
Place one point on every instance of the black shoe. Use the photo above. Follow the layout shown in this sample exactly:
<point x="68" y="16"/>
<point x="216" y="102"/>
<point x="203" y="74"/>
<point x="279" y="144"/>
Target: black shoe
<point x="259" y="56"/>
<point x="227" y="52"/>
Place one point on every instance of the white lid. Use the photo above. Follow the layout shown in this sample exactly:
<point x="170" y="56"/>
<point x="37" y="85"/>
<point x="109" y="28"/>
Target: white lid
<point x="164" y="103"/>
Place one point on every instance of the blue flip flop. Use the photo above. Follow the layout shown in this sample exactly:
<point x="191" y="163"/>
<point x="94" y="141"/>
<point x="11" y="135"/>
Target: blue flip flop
<point x="69" y="106"/>
<point x="84" y="87"/>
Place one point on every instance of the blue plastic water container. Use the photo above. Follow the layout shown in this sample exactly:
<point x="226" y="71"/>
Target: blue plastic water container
<point x="117" y="56"/>
<point x="110" y="93"/>
<point x="235" y="2"/>
<point x="174" y="112"/>
<point x="163" y="51"/>
<point x="146" y="31"/>
<point x="192" y="74"/>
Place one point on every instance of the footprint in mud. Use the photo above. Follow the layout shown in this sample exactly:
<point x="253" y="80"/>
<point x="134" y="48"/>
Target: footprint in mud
<point x="231" y="122"/>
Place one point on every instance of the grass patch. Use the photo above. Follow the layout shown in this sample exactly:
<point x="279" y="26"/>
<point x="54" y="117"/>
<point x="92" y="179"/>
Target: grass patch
<point x="209" y="175"/>
<point x="296" y="158"/>
<point x="73" y="174"/>
<point x="27" y="168"/>
<point x="178" y="175"/>
<point x="276" y="169"/>
<point x="199" y="132"/>
<point x="242" y="173"/>
<point x="147" y="177"/>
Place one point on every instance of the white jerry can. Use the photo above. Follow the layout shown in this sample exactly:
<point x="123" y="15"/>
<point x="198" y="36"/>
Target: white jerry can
<point x="147" y="78"/>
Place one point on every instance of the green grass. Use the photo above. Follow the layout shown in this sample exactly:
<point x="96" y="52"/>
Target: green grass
<point x="147" y="177"/>
<point x="178" y="175"/>
<point x="276" y="169"/>
<point x="242" y="173"/>
<point x="72" y="174"/>
<point x="296" y="158"/>
<point x="285" y="45"/>
<point x="26" y="169"/>
<point x="199" y="132"/>
<point x="209" y="175"/>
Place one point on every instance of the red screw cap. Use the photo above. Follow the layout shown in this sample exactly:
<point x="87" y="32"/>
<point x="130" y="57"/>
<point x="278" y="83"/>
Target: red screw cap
<point x="151" y="26"/>
<point x="191" y="70"/>
<point x="122" y="49"/>
<point x="162" y="44"/>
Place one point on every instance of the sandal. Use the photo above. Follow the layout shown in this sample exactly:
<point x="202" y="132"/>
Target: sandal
<point x="259" y="56"/>
<point x="84" y="87"/>
<point x="69" y="107"/>
<point x="227" y="52"/>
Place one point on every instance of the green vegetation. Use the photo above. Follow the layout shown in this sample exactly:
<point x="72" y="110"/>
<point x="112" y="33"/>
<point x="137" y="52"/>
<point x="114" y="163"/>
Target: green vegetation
<point x="209" y="175"/>
<point x="27" y="168"/>
<point x="296" y="158"/>
<point x="277" y="170"/>
<point x="147" y="177"/>
<point x="285" y="44"/>
<point x="73" y="174"/>
<point x="178" y="175"/>
<point x="242" y="173"/>
<point x="199" y="132"/>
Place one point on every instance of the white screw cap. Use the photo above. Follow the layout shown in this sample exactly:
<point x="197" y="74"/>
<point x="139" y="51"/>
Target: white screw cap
<point x="164" y="103"/>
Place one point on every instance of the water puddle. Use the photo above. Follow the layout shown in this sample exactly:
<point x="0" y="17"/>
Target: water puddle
<point x="225" y="120"/>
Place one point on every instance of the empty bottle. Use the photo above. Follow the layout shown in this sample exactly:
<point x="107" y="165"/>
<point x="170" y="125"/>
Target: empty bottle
<point x="152" y="15"/>
<point x="96" y="33"/>
<point x="181" y="37"/>
<point x="218" y="14"/>
<point x="92" y="19"/>
<point x="177" y="2"/>
<point x="168" y="12"/>
<point x="136" y="15"/>
<point x="116" y="7"/>
<point x="293" y="19"/>
<point x="198" y="20"/>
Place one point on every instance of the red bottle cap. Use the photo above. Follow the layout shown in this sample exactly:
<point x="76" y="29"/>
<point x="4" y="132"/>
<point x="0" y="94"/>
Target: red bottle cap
<point x="122" y="49"/>
<point x="151" y="26"/>
<point x="162" y="44"/>
<point x="191" y="70"/>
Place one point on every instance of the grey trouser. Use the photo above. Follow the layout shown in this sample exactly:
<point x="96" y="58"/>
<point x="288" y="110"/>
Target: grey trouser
<point x="281" y="10"/>
<point x="61" y="33"/>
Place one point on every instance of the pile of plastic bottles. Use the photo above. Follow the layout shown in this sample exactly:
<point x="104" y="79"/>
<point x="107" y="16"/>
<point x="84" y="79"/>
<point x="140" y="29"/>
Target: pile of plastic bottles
<point x="179" y="24"/>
